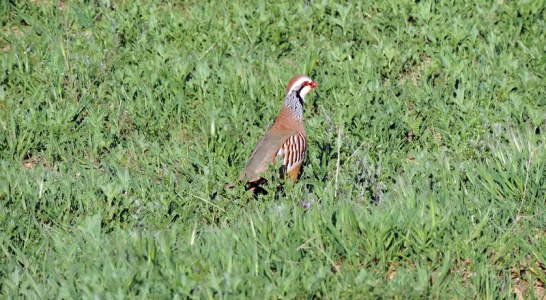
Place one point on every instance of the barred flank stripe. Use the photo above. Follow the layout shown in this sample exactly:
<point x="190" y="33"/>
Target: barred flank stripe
<point x="293" y="151"/>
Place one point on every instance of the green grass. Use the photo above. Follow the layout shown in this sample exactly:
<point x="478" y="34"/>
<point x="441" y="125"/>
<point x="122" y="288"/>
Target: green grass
<point x="121" y="122"/>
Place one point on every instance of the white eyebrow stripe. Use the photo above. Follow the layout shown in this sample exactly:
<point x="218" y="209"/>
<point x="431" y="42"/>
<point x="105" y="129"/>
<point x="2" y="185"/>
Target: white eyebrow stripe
<point x="298" y="83"/>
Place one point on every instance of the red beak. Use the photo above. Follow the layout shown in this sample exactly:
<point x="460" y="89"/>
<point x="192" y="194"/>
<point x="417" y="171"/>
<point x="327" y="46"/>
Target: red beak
<point x="313" y="85"/>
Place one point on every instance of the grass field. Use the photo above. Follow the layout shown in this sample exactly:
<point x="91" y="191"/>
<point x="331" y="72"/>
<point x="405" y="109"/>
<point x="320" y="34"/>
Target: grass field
<point x="122" y="121"/>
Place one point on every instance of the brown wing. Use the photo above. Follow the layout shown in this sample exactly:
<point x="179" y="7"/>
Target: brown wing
<point x="265" y="153"/>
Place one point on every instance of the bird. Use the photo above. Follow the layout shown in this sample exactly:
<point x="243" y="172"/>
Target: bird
<point x="285" y="139"/>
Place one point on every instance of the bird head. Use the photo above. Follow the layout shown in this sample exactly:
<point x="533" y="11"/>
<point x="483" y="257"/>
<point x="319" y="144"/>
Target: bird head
<point x="302" y="84"/>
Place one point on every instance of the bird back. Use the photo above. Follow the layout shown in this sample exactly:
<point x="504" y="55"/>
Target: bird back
<point x="265" y="153"/>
